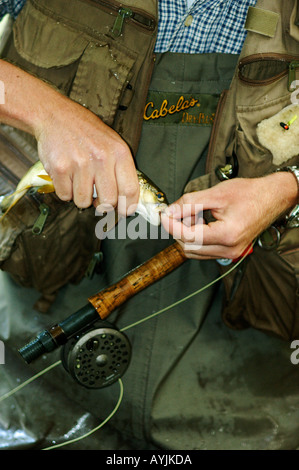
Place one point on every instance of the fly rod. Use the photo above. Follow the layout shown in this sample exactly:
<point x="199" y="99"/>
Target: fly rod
<point x="100" y="305"/>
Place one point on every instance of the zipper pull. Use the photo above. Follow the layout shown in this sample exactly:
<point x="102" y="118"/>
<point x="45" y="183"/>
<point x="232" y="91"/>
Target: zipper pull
<point x="41" y="220"/>
<point x="292" y="74"/>
<point x="118" y="24"/>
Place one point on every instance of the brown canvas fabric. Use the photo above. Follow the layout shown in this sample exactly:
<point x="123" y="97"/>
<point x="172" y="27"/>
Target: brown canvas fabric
<point x="76" y="47"/>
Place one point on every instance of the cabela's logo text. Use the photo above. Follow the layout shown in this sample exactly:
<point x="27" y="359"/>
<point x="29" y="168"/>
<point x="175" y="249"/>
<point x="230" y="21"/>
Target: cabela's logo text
<point x="175" y="108"/>
<point x="152" y="112"/>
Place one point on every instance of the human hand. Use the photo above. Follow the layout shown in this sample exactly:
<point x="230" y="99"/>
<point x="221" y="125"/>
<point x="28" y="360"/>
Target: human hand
<point x="76" y="148"/>
<point x="79" y="151"/>
<point x="243" y="208"/>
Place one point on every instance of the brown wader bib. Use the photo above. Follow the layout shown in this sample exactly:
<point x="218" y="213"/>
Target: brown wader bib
<point x="192" y="383"/>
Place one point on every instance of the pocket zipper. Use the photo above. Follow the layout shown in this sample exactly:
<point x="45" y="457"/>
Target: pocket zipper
<point x="41" y="219"/>
<point x="292" y="63"/>
<point x="122" y="14"/>
<point x="136" y="15"/>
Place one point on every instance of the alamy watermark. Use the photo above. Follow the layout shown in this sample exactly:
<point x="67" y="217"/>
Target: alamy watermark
<point x="2" y="353"/>
<point x="187" y="225"/>
<point x="295" y="354"/>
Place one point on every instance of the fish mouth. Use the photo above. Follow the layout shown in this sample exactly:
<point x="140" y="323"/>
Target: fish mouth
<point x="151" y="212"/>
<point x="160" y="208"/>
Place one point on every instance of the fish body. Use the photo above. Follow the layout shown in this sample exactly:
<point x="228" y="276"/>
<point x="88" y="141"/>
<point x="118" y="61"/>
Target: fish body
<point x="151" y="202"/>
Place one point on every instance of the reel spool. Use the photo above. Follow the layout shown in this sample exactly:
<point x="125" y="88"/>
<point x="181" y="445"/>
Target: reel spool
<point x="97" y="358"/>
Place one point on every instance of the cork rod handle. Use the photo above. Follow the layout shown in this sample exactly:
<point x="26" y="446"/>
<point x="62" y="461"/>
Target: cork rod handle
<point x="138" y="279"/>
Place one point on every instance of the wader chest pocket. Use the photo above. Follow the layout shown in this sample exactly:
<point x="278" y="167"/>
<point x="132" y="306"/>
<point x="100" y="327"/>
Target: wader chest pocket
<point x="94" y="71"/>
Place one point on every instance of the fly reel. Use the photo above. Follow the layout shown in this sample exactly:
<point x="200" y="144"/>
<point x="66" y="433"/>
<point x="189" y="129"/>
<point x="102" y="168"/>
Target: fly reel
<point x="97" y="358"/>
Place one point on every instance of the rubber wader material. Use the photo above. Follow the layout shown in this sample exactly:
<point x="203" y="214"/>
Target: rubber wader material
<point x="192" y="382"/>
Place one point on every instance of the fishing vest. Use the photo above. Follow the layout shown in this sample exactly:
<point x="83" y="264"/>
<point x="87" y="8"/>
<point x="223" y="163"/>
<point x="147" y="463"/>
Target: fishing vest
<point x="245" y="142"/>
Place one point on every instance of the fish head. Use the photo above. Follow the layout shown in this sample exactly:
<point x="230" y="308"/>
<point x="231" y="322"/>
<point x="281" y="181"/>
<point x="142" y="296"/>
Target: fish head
<point x="152" y="201"/>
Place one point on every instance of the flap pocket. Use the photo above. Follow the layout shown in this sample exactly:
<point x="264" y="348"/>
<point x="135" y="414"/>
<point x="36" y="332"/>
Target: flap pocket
<point x="260" y="146"/>
<point x="45" y="42"/>
<point x="102" y="76"/>
<point x="94" y="71"/>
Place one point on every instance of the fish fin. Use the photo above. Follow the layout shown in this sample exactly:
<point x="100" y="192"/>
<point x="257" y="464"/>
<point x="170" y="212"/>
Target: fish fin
<point x="8" y="208"/>
<point x="48" y="188"/>
<point x="6" y="201"/>
<point x="9" y="201"/>
<point x="45" y="177"/>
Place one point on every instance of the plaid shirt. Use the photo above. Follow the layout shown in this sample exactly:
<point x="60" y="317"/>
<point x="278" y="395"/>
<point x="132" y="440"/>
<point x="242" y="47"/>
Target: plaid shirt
<point x="13" y="7"/>
<point x="208" y="26"/>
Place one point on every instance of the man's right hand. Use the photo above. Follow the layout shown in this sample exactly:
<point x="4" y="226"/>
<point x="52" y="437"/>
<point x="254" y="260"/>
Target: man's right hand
<point x="76" y="148"/>
<point x="79" y="151"/>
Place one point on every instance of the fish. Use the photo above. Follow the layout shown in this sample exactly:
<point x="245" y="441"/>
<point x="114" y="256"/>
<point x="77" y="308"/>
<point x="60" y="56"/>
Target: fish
<point x="152" y="201"/>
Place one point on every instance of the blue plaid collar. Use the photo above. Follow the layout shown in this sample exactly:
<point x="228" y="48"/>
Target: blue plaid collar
<point x="207" y="26"/>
